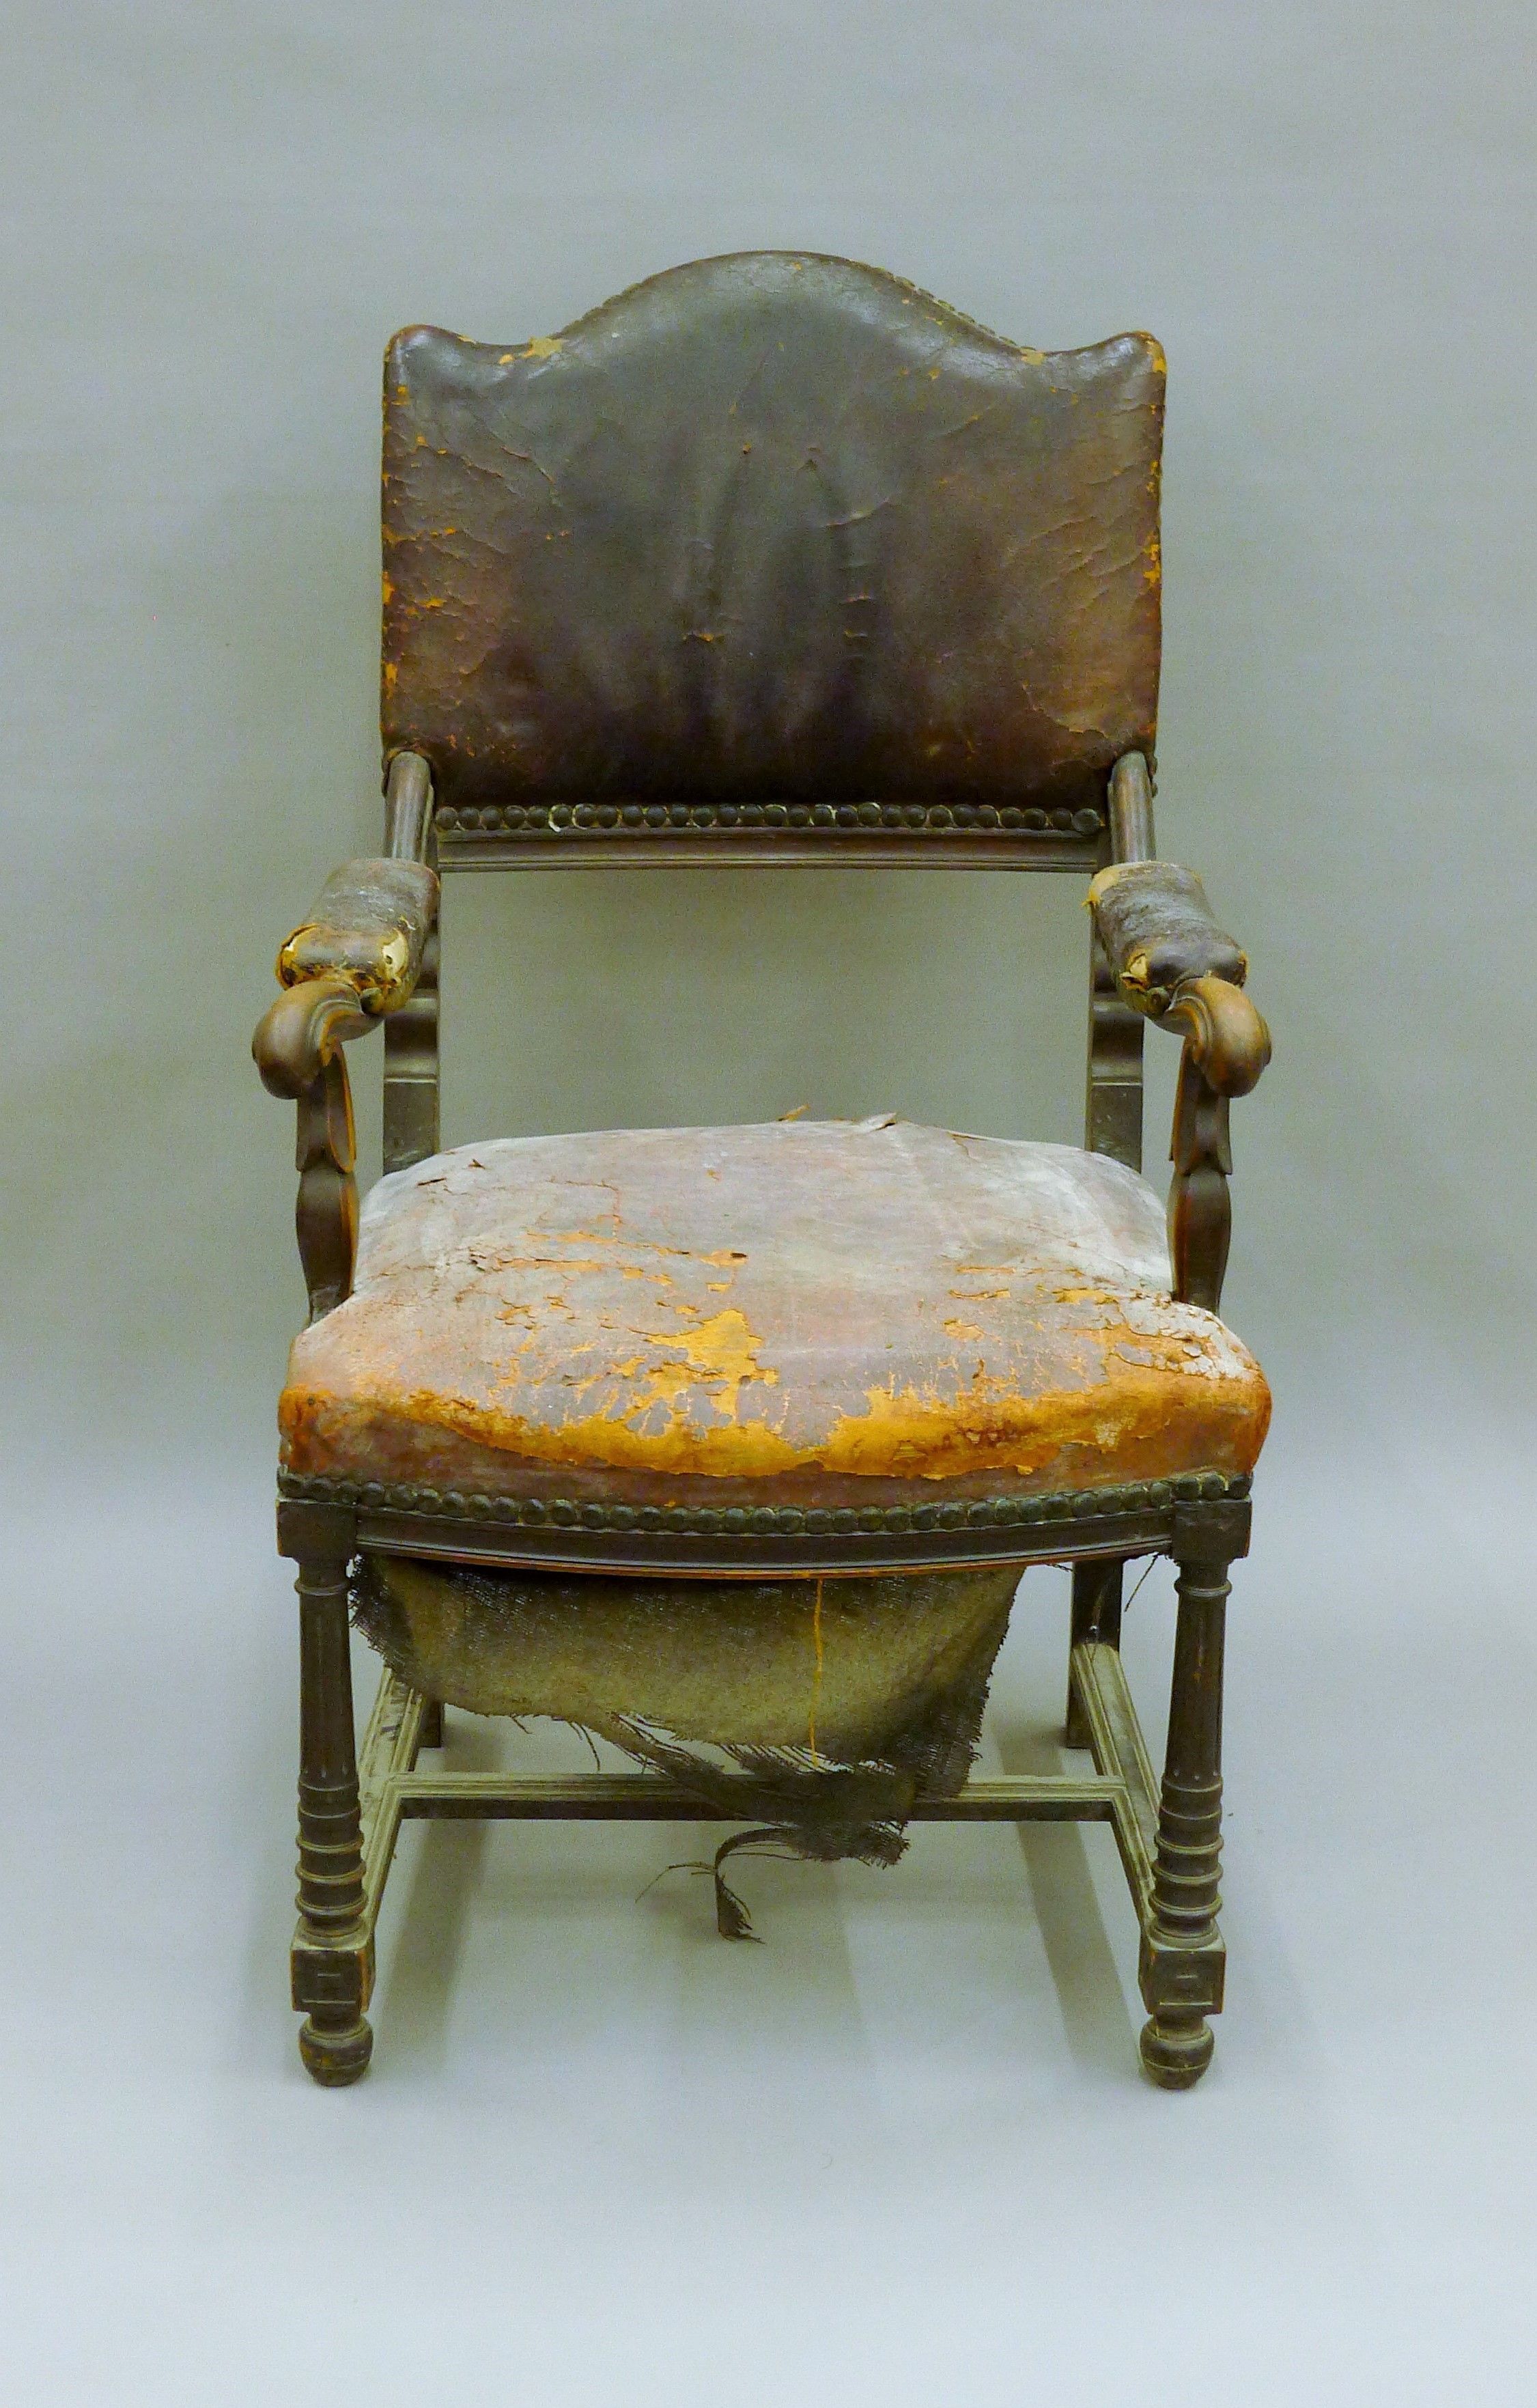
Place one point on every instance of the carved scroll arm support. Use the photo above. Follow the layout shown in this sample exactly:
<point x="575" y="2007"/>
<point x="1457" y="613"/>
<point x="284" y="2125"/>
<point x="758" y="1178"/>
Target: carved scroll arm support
<point x="1227" y="1046"/>
<point x="298" y="1051"/>
<point x="356" y="959"/>
<point x="1172" y="962"/>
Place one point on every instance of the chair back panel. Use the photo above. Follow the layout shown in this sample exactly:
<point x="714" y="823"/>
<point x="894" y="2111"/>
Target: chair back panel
<point x="772" y="547"/>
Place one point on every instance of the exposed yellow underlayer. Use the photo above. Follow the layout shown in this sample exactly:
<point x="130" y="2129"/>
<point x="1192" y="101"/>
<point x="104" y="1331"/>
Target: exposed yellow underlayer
<point x="1138" y="1416"/>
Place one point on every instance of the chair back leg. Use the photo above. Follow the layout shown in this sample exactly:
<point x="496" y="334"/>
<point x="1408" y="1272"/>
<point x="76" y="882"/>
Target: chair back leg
<point x="1096" y="1616"/>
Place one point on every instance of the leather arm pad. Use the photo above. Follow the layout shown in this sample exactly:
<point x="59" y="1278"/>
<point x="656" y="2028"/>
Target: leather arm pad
<point x="1159" y="933"/>
<point x="368" y="927"/>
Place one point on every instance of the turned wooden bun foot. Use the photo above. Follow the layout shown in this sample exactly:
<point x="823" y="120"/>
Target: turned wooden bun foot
<point x="336" y="2054"/>
<point x="1177" y="2050"/>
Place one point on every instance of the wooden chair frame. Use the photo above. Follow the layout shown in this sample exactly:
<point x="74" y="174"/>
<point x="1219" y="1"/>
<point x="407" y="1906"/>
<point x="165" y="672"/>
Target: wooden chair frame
<point x="351" y="1806"/>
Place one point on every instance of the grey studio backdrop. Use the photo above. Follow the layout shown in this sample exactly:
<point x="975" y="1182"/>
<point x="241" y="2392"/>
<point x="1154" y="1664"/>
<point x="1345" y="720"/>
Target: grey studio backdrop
<point x="901" y="2150"/>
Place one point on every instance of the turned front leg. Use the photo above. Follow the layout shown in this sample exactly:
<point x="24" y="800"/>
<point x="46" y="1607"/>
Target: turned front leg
<point x="333" y="1956"/>
<point x="1182" y="1958"/>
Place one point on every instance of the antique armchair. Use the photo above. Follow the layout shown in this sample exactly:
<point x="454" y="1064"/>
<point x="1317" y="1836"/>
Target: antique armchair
<point x="731" y="1445"/>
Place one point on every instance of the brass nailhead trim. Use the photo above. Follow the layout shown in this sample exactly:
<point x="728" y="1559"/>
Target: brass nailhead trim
<point x="776" y="1521"/>
<point x="627" y="819"/>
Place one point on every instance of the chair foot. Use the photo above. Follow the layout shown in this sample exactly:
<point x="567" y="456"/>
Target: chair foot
<point x="1177" y="2049"/>
<point x="335" y="2052"/>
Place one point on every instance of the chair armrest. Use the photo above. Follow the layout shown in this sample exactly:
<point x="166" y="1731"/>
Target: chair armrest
<point x="356" y="958"/>
<point x="1175" y="964"/>
<point x="298" y="1035"/>
<point x="1224" y="1035"/>
<point x="1159" y="931"/>
<point x="369" y="926"/>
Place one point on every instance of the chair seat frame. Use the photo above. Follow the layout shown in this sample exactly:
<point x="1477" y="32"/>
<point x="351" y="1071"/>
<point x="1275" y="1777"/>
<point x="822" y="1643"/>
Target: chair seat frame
<point x="352" y="1805"/>
<point x="1168" y="1834"/>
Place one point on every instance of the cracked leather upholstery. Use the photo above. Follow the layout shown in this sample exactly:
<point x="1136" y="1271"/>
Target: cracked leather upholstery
<point x="771" y="524"/>
<point x="797" y="1311"/>
<point x="1160" y="932"/>
<point x="369" y="924"/>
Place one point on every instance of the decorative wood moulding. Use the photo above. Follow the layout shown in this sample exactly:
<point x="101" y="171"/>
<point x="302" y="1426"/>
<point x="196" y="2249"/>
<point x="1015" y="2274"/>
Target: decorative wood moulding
<point x="598" y="820"/>
<point x="982" y="1513"/>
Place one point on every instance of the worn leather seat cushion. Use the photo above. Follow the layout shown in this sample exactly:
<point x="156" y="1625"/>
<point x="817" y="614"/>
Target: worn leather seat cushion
<point x="801" y="1311"/>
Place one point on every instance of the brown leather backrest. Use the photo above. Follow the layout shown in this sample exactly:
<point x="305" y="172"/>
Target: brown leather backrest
<point x="772" y="540"/>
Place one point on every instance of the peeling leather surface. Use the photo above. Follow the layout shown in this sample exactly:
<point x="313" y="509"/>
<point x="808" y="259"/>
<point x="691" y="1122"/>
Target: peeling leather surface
<point x="1159" y="930"/>
<point x="369" y="924"/>
<point x="765" y="525"/>
<point x="793" y="1311"/>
